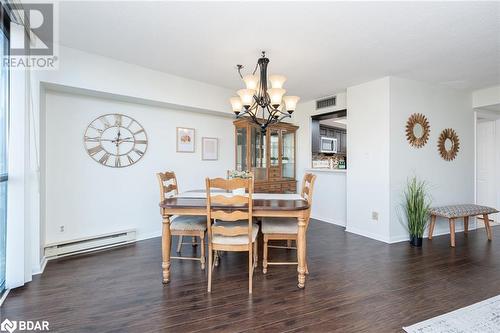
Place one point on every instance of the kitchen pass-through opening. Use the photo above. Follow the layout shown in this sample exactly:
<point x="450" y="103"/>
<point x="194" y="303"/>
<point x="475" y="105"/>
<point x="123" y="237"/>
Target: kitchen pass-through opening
<point x="329" y="140"/>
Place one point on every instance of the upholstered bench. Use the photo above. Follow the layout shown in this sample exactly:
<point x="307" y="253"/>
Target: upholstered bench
<point x="461" y="211"/>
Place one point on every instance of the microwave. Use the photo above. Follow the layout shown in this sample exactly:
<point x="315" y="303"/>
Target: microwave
<point x="328" y="145"/>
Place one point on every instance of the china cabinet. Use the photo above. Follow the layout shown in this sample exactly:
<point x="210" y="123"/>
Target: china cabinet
<point x="270" y="156"/>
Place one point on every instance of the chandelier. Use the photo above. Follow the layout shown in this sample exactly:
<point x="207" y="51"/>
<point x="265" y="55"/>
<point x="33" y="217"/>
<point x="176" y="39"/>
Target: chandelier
<point x="263" y="105"/>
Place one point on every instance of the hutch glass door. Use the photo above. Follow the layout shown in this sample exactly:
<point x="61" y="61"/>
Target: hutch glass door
<point x="258" y="154"/>
<point x="241" y="148"/>
<point x="288" y="155"/>
<point x="274" y="146"/>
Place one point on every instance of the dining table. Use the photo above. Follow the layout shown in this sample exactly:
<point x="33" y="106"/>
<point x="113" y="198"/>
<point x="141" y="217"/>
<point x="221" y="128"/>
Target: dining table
<point x="264" y="205"/>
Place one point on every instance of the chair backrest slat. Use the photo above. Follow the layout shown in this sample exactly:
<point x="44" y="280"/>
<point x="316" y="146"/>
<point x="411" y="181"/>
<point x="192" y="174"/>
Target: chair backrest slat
<point x="308" y="187"/>
<point x="229" y="216"/>
<point x="229" y="208"/>
<point x="307" y="190"/>
<point x="229" y="200"/>
<point x="169" y="188"/>
<point x="168" y="185"/>
<point x="226" y="231"/>
<point x="229" y="184"/>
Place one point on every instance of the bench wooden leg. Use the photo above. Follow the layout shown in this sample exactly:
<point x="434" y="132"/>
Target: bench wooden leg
<point x="431" y="226"/>
<point x="487" y="225"/>
<point x="466" y="224"/>
<point x="452" y="232"/>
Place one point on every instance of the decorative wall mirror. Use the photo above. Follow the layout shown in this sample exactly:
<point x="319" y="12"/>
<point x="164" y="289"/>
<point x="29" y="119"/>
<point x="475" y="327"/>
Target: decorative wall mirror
<point x="417" y="130"/>
<point x="448" y="144"/>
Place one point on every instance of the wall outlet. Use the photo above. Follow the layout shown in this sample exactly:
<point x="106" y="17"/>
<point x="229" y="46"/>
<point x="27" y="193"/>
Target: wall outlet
<point x="61" y="228"/>
<point x="375" y="216"/>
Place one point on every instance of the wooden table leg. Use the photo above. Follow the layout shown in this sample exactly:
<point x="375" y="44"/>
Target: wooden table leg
<point x="301" y="252"/>
<point x="431" y="226"/>
<point x="487" y="225"/>
<point x="202" y="250"/>
<point x="466" y="224"/>
<point x="452" y="232"/>
<point x="166" y="239"/>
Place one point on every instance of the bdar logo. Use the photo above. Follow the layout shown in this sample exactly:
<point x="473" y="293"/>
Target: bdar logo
<point x="8" y="325"/>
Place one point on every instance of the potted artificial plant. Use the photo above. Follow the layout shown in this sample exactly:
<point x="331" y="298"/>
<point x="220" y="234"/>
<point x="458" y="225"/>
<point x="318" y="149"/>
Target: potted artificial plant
<point x="416" y="208"/>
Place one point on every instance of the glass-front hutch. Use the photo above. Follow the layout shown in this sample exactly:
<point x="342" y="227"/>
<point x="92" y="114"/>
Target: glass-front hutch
<point x="270" y="156"/>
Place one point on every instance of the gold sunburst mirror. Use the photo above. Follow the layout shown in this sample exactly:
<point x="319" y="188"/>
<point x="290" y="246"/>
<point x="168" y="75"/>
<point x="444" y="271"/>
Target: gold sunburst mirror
<point x="448" y="144"/>
<point x="417" y="130"/>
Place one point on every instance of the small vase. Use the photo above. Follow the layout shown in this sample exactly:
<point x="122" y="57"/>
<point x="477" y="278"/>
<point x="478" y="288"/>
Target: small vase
<point x="239" y="191"/>
<point x="416" y="241"/>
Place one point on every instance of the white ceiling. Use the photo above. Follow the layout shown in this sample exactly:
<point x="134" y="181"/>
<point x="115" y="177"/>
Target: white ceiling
<point x="322" y="47"/>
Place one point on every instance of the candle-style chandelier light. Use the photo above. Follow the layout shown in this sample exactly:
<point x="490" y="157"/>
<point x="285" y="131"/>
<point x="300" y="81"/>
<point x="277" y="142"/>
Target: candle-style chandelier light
<point x="273" y="103"/>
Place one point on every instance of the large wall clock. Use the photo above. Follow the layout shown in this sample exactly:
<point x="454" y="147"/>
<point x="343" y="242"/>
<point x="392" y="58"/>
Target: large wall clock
<point x="115" y="140"/>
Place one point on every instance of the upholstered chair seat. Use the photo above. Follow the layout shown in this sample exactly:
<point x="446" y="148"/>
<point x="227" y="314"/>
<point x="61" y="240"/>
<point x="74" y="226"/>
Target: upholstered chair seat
<point x="234" y="240"/>
<point x="279" y="225"/>
<point x="188" y="223"/>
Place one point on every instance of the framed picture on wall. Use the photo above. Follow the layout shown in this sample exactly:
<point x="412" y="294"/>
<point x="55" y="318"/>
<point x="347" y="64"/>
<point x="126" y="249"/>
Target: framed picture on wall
<point x="185" y="140"/>
<point x="209" y="149"/>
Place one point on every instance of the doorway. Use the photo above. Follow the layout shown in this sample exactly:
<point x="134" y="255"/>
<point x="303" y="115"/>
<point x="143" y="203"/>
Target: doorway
<point x="488" y="161"/>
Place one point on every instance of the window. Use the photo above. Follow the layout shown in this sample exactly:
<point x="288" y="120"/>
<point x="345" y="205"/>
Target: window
<point x="4" y="121"/>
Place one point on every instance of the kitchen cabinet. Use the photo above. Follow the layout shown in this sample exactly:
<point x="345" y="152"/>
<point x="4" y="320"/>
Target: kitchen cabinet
<point x="343" y="142"/>
<point x="331" y="132"/>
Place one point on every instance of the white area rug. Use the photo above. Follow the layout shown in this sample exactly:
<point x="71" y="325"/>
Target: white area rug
<point x="482" y="317"/>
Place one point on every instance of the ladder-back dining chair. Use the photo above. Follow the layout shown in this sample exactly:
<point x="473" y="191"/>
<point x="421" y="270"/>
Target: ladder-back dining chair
<point x="233" y="229"/>
<point x="283" y="228"/>
<point x="185" y="225"/>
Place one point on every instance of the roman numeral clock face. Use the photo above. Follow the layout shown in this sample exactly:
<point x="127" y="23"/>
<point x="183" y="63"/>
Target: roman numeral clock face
<point x="115" y="140"/>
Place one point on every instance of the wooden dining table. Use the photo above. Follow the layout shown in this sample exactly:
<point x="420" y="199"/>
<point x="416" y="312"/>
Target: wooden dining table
<point x="264" y="205"/>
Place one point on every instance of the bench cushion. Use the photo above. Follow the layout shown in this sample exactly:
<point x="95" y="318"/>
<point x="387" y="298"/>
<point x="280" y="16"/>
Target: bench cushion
<point x="455" y="211"/>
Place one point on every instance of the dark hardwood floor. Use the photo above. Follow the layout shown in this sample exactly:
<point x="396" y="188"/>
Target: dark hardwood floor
<point x="355" y="285"/>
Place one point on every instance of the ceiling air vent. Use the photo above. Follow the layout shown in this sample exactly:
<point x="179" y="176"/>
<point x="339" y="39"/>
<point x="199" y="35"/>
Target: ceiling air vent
<point x="326" y="102"/>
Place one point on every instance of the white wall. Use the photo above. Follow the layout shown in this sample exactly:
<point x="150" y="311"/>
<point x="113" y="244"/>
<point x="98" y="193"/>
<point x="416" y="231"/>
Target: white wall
<point x="450" y="182"/>
<point x="368" y="141"/>
<point x="329" y="201"/>
<point x="486" y="97"/>
<point x="90" y="199"/>
<point x="90" y="71"/>
<point x="381" y="160"/>
<point x="82" y="70"/>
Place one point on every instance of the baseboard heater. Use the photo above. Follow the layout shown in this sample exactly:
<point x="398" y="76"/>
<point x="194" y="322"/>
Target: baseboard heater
<point x="88" y="244"/>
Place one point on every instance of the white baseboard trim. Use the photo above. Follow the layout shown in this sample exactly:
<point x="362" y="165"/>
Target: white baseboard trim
<point x="403" y="238"/>
<point x="149" y="235"/>
<point x="4" y="296"/>
<point x="41" y="267"/>
<point x="363" y="233"/>
<point x="329" y="220"/>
